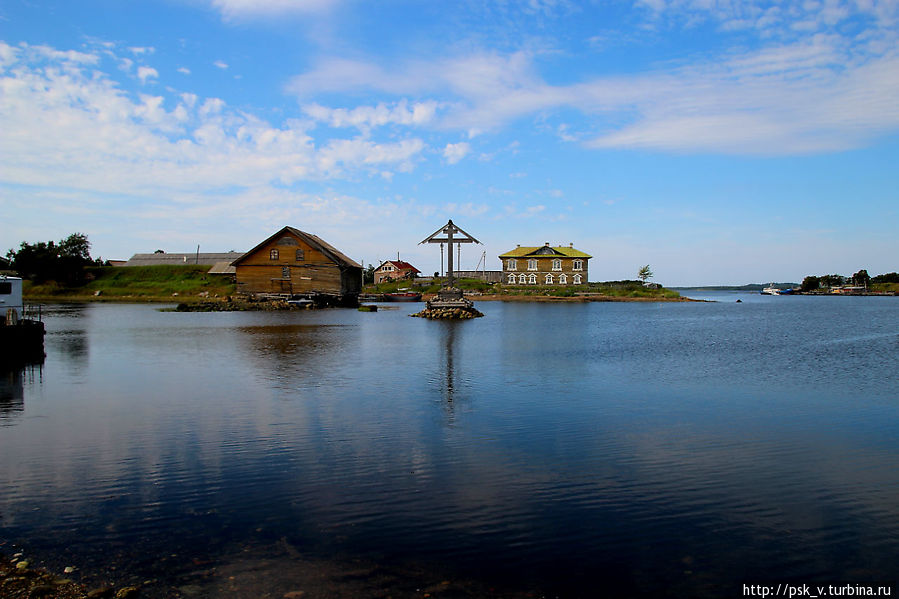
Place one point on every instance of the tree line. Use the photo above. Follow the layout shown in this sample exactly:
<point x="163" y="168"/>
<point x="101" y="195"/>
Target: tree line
<point x="62" y="261"/>
<point x="859" y="279"/>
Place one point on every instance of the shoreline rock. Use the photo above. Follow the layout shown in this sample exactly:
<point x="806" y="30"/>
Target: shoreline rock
<point x="18" y="580"/>
<point x="448" y="313"/>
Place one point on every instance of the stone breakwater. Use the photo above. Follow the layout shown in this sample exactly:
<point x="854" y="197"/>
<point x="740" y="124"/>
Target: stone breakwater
<point x="448" y="313"/>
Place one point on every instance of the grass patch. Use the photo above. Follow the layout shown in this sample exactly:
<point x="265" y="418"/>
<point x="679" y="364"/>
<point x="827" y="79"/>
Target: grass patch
<point x="885" y="287"/>
<point x="623" y="289"/>
<point x="432" y="286"/>
<point x="150" y="283"/>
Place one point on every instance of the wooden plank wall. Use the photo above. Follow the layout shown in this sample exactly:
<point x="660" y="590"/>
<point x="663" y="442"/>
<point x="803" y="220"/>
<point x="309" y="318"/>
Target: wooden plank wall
<point x="316" y="273"/>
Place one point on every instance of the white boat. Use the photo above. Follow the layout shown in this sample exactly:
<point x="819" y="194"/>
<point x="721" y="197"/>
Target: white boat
<point x="21" y="339"/>
<point x="770" y="291"/>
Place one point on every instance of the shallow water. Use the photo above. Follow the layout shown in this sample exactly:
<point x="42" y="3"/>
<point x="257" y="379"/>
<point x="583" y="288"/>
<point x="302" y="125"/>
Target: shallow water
<point x="626" y="448"/>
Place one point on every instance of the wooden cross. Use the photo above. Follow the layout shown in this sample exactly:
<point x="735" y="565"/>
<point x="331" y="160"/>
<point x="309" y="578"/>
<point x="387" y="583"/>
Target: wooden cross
<point x="451" y="231"/>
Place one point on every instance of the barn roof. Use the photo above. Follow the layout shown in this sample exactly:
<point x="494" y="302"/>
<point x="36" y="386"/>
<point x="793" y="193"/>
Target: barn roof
<point x="188" y="258"/>
<point x="222" y="268"/>
<point x="313" y="241"/>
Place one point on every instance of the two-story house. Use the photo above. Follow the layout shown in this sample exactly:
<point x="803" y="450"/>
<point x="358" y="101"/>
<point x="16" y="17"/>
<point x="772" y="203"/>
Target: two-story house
<point x="545" y="265"/>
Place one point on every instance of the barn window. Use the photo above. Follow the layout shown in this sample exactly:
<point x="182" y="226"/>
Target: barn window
<point x="285" y="272"/>
<point x="301" y="255"/>
<point x="273" y="255"/>
<point x="287" y="241"/>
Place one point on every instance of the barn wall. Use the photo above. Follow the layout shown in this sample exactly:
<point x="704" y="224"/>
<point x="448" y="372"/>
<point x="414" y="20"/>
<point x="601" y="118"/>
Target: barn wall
<point x="259" y="273"/>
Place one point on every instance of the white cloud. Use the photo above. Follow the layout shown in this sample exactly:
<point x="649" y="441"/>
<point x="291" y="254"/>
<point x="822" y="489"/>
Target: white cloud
<point x="780" y="18"/>
<point x="78" y="125"/>
<point x="817" y="94"/>
<point x="184" y="70"/>
<point x="367" y="117"/>
<point x="220" y="64"/>
<point x="144" y="73"/>
<point x="453" y="153"/>
<point x="232" y="9"/>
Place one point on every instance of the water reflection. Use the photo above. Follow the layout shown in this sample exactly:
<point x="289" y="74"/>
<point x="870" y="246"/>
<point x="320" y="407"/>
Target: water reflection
<point x="449" y="350"/>
<point x="611" y="448"/>
<point x="294" y="354"/>
<point x="12" y="394"/>
<point x="73" y="345"/>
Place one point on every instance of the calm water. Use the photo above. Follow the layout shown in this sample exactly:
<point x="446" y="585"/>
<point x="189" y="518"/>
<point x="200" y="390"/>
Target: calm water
<point x="570" y="450"/>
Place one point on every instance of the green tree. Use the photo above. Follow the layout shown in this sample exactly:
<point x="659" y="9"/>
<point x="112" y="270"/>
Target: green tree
<point x="75" y="246"/>
<point x="861" y="278"/>
<point x="63" y="262"/>
<point x="810" y="283"/>
<point x="368" y="275"/>
<point x="832" y="280"/>
<point x="644" y="273"/>
<point x="890" y="277"/>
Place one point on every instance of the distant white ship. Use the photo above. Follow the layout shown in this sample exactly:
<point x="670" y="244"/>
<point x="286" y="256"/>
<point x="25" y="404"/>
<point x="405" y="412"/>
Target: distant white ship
<point x="770" y="291"/>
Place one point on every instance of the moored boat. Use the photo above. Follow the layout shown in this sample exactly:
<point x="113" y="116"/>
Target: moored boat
<point x="21" y="339"/>
<point x="403" y="296"/>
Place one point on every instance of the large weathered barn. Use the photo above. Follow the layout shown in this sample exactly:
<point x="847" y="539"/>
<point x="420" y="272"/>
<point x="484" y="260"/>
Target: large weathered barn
<point x="294" y="262"/>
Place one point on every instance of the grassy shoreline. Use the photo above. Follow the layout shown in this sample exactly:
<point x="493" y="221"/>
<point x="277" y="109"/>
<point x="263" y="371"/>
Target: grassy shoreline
<point x="158" y="284"/>
<point x="191" y="284"/>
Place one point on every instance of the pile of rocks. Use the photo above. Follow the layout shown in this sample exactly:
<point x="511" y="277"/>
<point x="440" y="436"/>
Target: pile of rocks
<point x="448" y="313"/>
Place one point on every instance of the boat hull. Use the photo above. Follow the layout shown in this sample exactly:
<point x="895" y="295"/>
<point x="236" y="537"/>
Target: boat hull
<point x="402" y="297"/>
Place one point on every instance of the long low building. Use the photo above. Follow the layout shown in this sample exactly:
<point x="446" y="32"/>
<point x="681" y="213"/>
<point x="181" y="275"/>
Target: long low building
<point x="160" y="258"/>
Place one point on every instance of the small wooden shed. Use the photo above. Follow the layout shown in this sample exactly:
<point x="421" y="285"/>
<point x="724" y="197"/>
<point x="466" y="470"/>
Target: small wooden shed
<point x="293" y="262"/>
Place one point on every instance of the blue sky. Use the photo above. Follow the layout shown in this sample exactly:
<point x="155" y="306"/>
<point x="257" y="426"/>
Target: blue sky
<point x="719" y="142"/>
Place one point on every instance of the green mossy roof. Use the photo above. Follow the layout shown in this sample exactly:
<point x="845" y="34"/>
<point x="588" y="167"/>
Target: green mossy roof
<point x="565" y="251"/>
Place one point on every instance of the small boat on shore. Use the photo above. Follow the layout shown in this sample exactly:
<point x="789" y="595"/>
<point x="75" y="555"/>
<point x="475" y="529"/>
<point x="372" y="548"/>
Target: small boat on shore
<point x="403" y="296"/>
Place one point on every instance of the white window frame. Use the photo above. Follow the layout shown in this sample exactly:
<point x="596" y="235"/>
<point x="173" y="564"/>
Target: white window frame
<point x="578" y="265"/>
<point x="532" y="264"/>
<point x="548" y="279"/>
<point x="532" y="279"/>
<point x="577" y="279"/>
<point x="557" y="264"/>
<point x="563" y="279"/>
<point x="511" y="278"/>
<point x="522" y="278"/>
<point x="512" y="264"/>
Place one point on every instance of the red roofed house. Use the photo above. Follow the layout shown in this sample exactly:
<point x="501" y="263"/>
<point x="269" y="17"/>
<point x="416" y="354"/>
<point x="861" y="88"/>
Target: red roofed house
<point x="394" y="269"/>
